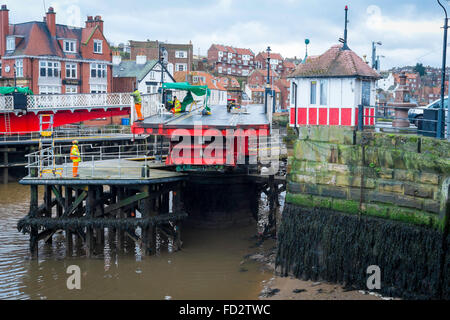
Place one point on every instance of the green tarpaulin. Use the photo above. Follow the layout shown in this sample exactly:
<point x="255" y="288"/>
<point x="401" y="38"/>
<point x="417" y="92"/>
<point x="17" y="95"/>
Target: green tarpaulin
<point x="197" y="90"/>
<point x="9" y="90"/>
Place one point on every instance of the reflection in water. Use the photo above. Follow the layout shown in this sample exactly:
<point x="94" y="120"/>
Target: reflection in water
<point x="209" y="266"/>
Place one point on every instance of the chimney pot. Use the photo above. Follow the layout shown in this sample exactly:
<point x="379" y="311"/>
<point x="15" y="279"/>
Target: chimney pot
<point x="4" y="7"/>
<point x="51" y="10"/>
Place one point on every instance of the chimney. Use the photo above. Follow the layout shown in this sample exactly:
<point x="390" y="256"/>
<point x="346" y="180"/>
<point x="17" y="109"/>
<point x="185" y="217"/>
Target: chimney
<point x="51" y="21"/>
<point x="4" y="28"/>
<point x="141" y="59"/>
<point x="89" y="22"/>
<point x="99" y="22"/>
<point x="116" y="58"/>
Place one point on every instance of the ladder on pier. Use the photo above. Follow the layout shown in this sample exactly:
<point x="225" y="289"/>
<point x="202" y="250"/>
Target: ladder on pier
<point x="7" y="122"/>
<point x="47" y="156"/>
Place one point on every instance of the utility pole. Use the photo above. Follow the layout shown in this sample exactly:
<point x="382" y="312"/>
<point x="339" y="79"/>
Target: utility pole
<point x="440" y="122"/>
<point x="374" y="54"/>
<point x="268" y="81"/>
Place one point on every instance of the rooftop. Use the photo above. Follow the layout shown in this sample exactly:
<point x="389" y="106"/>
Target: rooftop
<point x="335" y="63"/>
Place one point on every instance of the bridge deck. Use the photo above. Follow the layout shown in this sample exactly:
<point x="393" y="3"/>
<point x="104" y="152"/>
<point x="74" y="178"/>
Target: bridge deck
<point x="219" y="119"/>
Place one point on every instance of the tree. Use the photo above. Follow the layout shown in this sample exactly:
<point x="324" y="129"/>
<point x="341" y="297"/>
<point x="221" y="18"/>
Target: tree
<point x="420" y="69"/>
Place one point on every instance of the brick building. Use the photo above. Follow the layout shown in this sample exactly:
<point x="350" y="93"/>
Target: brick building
<point x="228" y="60"/>
<point x="180" y="55"/>
<point x="218" y="94"/>
<point x="53" y="58"/>
<point x="276" y="61"/>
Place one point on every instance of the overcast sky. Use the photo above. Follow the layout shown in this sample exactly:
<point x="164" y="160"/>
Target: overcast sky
<point x="410" y="30"/>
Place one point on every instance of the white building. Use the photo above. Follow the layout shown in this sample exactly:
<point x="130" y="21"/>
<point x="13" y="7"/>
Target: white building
<point x="387" y="82"/>
<point x="145" y="73"/>
<point x="327" y="89"/>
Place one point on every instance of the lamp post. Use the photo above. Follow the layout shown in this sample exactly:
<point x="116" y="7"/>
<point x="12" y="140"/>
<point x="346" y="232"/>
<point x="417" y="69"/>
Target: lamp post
<point x="15" y="77"/>
<point x="268" y="79"/>
<point x="444" y="58"/>
<point x="374" y="54"/>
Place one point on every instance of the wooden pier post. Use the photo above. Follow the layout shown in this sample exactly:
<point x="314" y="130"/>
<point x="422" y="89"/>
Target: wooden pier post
<point x="34" y="230"/>
<point x="90" y="211"/>
<point x="5" y="169"/>
<point x="176" y="208"/>
<point x="68" y="198"/>
<point x="99" y="209"/>
<point x="120" y="215"/>
<point x="59" y="207"/>
<point x="48" y="208"/>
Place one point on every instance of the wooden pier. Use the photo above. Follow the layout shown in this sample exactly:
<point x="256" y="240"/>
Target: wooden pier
<point x="130" y="209"/>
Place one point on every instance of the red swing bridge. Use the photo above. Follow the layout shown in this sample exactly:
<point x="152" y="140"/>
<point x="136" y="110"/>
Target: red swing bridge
<point x="183" y="165"/>
<point x="220" y="137"/>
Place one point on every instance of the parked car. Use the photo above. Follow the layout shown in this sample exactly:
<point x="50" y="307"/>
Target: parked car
<point x="416" y="115"/>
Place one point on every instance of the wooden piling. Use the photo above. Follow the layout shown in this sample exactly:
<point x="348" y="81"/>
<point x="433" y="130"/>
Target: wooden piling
<point x="48" y="208"/>
<point x="90" y="211"/>
<point x="68" y="197"/>
<point x="34" y="230"/>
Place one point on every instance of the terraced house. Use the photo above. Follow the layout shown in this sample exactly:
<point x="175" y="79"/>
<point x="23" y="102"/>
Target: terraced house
<point x="228" y="60"/>
<point x="52" y="58"/>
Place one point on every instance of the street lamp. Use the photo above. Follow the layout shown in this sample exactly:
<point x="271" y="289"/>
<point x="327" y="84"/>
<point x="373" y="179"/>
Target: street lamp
<point x="15" y="76"/>
<point x="268" y="79"/>
<point x="374" y="54"/>
<point x="444" y="57"/>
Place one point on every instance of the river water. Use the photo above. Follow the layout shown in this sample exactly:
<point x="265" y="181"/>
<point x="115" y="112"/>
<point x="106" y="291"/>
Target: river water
<point x="211" y="264"/>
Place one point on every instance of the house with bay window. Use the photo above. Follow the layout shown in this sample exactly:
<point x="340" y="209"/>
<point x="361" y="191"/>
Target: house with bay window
<point x="327" y="89"/>
<point x="51" y="58"/>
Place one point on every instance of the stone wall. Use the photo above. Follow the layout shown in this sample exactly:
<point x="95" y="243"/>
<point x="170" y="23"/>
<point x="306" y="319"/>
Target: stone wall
<point x="356" y="199"/>
<point x="398" y="177"/>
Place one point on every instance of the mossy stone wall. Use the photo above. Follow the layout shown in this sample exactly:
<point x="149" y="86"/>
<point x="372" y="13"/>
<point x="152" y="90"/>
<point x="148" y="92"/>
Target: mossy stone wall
<point x="398" y="177"/>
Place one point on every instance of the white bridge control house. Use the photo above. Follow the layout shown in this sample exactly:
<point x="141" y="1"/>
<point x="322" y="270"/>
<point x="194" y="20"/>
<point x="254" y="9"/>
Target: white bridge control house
<point x="327" y="89"/>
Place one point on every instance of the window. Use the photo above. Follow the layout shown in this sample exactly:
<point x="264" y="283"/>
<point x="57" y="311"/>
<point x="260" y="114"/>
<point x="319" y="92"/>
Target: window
<point x="1" y="69"/>
<point x="181" y="54"/>
<point x="152" y="75"/>
<point x="98" y="70"/>
<point x="70" y="46"/>
<point x="220" y="54"/>
<point x="365" y="93"/>
<point x="98" y="88"/>
<point x="19" y="68"/>
<point x="71" y="89"/>
<point x="229" y="70"/>
<point x="181" y="67"/>
<point x="10" y="43"/>
<point x="313" y="92"/>
<point x="98" y="46"/>
<point x="71" y="70"/>
<point x="49" y="89"/>
<point x="49" y="69"/>
<point x="219" y="69"/>
<point x="323" y="92"/>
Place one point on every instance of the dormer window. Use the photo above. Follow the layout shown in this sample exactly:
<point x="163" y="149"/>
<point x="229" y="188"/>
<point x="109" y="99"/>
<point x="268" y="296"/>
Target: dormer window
<point x="70" y="46"/>
<point x="10" y="43"/>
<point x="98" y="44"/>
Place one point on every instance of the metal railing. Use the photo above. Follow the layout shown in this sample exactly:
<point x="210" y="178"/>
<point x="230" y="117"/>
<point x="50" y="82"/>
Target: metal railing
<point x="76" y="101"/>
<point x="98" y="162"/>
<point x="384" y="118"/>
<point x="70" y="101"/>
<point x="6" y="103"/>
<point x="65" y="132"/>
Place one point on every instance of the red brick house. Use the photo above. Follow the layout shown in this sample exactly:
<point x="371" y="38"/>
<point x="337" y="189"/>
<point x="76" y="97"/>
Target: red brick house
<point x="259" y="78"/>
<point x="276" y="61"/>
<point x="227" y="60"/>
<point x="179" y="55"/>
<point x="53" y="58"/>
<point x="285" y="88"/>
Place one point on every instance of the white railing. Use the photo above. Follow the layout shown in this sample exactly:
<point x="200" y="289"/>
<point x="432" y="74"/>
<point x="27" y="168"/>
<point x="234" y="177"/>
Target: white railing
<point x="77" y="101"/>
<point x="102" y="162"/>
<point x="151" y="104"/>
<point x="6" y="103"/>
